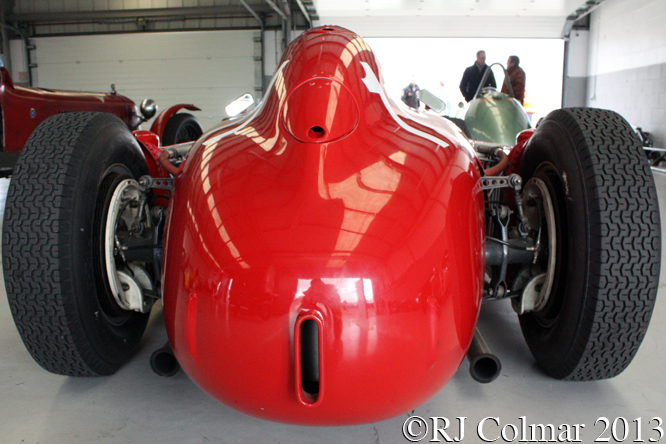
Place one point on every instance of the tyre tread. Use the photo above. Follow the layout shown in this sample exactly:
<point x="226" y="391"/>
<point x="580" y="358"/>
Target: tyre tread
<point x="625" y="243"/>
<point x="36" y="260"/>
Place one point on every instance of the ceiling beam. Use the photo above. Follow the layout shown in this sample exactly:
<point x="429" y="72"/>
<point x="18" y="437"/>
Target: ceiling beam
<point x="269" y="13"/>
<point x="306" y="14"/>
<point x="277" y="9"/>
<point x="254" y="14"/>
<point x="229" y="11"/>
<point x="583" y="11"/>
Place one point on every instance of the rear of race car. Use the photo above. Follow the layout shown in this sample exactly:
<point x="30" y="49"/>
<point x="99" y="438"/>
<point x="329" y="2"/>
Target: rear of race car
<point x="324" y="255"/>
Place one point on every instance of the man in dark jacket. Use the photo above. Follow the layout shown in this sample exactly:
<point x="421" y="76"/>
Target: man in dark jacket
<point x="410" y="95"/>
<point x="472" y="77"/>
<point x="516" y="77"/>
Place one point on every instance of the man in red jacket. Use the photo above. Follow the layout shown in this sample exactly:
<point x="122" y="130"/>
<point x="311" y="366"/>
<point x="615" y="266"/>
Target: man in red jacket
<point x="516" y="77"/>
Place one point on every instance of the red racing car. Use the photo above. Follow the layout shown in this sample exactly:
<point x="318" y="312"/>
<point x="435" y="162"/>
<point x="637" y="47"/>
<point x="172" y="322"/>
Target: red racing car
<point x="323" y="259"/>
<point x="22" y="109"/>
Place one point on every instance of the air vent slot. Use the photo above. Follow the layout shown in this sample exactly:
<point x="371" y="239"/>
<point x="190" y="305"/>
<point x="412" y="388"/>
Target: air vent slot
<point x="310" y="357"/>
<point x="309" y="362"/>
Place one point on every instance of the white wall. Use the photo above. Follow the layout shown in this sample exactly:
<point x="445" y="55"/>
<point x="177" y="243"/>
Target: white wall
<point x="207" y="69"/>
<point x="19" y="62"/>
<point x="576" y="73"/>
<point x="273" y="49"/>
<point x="579" y="54"/>
<point x="626" y="34"/>
<point x="627" y="62"/>
<point x="450" y="26"/>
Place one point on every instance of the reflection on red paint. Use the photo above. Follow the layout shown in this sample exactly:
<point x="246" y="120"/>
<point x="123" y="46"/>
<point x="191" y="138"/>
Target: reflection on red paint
<point x="331" y="204"/>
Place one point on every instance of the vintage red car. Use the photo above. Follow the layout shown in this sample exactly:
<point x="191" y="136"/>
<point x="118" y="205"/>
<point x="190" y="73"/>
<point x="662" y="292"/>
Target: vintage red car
<point x="23" y="109"/>
<point x="322" y="260"/>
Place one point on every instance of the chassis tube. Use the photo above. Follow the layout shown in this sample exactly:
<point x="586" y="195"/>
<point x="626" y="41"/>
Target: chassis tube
<point x="516" y="253"/>
<point x="484" y="366"/>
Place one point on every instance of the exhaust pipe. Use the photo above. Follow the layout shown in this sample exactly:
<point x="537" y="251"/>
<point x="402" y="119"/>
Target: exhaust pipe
<point x="164" y="362"/>
<point x="483" y="365"/>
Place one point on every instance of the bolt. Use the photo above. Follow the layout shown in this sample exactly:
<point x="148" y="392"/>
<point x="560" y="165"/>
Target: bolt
<point x="523" y="229"/>
<point x="504" y="212"/>
<point x="137" y="228"/>
<point x="516" y="181"/>
<point x="125" y="286"/>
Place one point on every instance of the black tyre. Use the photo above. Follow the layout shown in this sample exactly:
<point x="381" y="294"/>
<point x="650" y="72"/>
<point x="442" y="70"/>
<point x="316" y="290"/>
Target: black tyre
<point x="181" y="128"/>
<point x="460" y="123"/>
<point x="608" y="244"/>
<point x="52" y="235"/>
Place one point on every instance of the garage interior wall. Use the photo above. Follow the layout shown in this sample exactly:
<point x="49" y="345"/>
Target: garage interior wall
<point x="627" y="63"/>
<point x="208" y="69"/>
<point x="576" y="70"/>
<point x="273" y="51"/>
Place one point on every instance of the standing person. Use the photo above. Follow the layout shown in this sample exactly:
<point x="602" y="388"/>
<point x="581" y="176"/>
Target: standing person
<point x="516" y="77"/>
<point x="472" y="77"/>
<point x="410" y="95"/>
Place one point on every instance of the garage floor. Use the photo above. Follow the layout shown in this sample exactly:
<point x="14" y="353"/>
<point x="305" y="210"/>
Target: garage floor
<point x="136" y="406"/>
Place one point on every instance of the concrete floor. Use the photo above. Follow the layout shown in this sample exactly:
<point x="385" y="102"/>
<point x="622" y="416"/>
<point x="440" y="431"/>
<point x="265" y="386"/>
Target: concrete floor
<point x="136" y="406"/>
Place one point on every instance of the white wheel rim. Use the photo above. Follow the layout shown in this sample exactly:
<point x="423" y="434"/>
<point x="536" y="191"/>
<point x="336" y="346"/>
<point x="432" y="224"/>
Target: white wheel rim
<point x="539" y="190"/>
<point x="131" y="297"/>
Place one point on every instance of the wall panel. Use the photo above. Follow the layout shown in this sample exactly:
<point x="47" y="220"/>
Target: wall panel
<point x="627" y="62"/>
<point x="576" y="70"/>
<point x="208" y="69"/>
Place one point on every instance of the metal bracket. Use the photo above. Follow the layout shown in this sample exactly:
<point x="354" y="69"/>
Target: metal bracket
<point x="534" y="296"/>
<point x="498" y="288"/>
<point x="162" y="183"/>
<point x="513" y="181"/>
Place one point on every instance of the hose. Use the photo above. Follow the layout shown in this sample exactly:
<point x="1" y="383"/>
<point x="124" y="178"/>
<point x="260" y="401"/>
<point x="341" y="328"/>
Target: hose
<point x="166" y="164"/>
<point x="501" y="166"/>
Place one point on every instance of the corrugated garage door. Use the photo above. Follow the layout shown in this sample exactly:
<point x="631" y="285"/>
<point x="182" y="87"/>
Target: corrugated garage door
<point x="208" y="69"/>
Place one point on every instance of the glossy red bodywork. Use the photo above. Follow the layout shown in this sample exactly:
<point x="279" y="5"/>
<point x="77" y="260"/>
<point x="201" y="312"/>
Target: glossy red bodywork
<point x="150" y="145"/>
<point x="161" y="120"/>
<point x="516" y="154"/>
<point x="25" y="108"/>
<point x="332" y="205"/>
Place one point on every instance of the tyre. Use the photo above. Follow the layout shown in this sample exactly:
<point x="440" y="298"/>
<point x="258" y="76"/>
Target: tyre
<point x="608" y="244"/>
<point x="53" y="242"/>
<point x="181" y="128"/>
<point x="460" y="123"/>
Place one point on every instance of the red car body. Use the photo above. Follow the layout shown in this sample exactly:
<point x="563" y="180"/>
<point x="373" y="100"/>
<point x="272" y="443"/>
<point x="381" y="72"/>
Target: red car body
<point x="324" y="255"/>
<point x="24" y="108"/>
